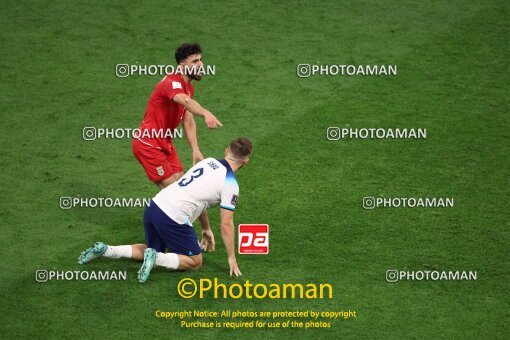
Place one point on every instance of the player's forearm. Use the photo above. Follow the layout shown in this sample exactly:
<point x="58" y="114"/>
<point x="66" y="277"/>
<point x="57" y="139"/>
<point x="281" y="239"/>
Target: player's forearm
<point x="190" y="129"/>
<point x="204" y="220"/>
<point x="227" y="233"/>
<point x="194" y="107"/>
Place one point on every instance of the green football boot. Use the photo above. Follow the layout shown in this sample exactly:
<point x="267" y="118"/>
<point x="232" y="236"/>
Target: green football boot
<point x="149" y="260"/>
<point x="97" y="250"/>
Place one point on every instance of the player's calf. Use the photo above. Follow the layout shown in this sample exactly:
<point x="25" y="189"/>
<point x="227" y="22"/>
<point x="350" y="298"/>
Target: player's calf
<point x="190" y="262"/>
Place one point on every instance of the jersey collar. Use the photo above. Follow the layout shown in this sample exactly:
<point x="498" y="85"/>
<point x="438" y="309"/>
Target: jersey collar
<point x="226" y="165"/>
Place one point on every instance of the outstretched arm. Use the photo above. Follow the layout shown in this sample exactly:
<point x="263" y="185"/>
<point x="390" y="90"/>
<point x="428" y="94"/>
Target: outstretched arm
<point x="194" y="107"/>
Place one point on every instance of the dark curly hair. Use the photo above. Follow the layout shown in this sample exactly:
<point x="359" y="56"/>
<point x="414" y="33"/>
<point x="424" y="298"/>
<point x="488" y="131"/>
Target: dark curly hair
<point x="185" y="50"/>
<point x="241" y="147"/>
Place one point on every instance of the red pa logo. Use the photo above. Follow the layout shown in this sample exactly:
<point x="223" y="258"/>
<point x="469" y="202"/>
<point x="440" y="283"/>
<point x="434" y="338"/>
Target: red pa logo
<point x="253" y="239"/>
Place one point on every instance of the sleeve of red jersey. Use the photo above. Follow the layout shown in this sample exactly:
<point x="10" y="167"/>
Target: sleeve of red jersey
<point x="172" y="87"/>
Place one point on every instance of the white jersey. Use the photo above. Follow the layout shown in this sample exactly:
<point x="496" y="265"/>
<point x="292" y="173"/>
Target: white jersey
<point x="209" y="183"/>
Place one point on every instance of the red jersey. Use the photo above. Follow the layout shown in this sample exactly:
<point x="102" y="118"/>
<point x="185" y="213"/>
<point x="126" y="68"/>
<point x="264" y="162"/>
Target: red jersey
<point x="162" y="113"/>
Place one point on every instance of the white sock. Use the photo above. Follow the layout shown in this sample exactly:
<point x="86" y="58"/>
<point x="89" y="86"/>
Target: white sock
<point x="116" y="252"/>
<point x="168" y="260"/>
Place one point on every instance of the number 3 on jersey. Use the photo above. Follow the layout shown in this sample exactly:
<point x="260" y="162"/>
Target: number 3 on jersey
<point x="195" y="174"/>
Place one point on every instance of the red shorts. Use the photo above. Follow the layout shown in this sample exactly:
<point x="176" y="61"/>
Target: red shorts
<point x="158" y="163"/>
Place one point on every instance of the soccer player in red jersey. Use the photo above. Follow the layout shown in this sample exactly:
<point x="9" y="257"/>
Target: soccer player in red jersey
<point x="170" y="103"/>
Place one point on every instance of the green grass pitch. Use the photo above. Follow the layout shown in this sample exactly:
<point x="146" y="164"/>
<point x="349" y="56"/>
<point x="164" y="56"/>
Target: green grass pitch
<point x="58" y="76"/>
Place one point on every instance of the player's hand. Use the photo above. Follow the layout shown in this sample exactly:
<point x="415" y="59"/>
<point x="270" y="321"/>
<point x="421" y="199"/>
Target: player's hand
<point x="197" y="156"/>
<point x="211" y="121"/>
<point x="234" y="269"/>
<point x="207" y="242"/>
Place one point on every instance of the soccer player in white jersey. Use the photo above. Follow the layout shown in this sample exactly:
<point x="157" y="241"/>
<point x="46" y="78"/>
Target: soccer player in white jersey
<point x="168" y="218"/>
